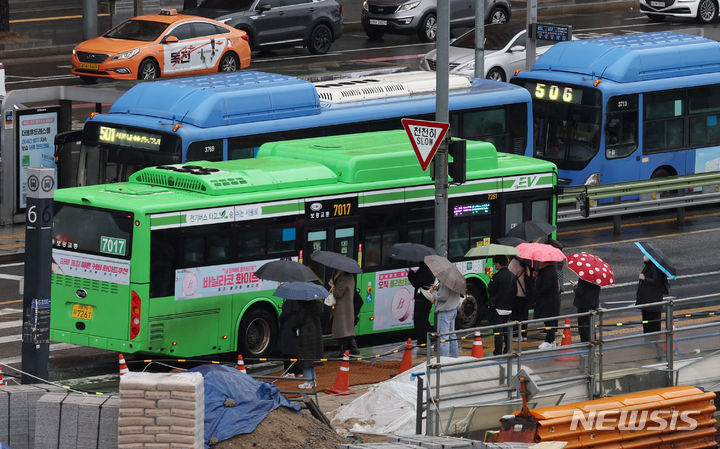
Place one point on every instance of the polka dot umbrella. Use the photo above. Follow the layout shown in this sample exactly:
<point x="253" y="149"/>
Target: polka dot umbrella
<point x="591" y="268"/>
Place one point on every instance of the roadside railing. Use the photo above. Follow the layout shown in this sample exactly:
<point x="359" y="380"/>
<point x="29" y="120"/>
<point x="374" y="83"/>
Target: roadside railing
<point x="614" y="200"/>
<point x="463" y="395"/>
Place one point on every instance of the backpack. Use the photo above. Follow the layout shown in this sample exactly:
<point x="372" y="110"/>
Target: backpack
<point x="357" y="304"/>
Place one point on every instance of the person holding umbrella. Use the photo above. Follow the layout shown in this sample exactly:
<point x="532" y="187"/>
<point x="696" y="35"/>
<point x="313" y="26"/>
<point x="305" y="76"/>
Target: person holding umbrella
<point x="593" y="273"/>
<point x="342" y="286"/>
<point x="547" y="300"/>
<point x="502" y="290"/>
<point x="653" y="284"/>
<point x="521" y="304"/>
<point x="446" y="294"/>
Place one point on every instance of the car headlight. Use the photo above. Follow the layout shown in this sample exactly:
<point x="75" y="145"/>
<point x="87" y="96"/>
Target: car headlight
<point x="127" y="54"/>
<point x="74" y="50"/>
<point x="467" y="67"/>
<point x="364" y="5"/>
<point x="407" y="6"/>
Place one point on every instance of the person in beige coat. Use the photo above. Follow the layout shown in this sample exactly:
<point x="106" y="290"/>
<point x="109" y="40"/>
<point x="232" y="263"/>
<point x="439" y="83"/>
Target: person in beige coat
<point x="343" y="321"/>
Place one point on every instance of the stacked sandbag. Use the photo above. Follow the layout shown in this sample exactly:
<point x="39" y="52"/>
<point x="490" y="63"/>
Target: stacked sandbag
<point x="161" y="411"/>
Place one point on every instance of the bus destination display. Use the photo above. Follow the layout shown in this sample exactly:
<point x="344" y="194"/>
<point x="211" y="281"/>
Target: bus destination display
<point x="555" y="92"/>
<point x="333" y="208"/>
<point x="463" y="210"/>
<point x="129" y="138"/>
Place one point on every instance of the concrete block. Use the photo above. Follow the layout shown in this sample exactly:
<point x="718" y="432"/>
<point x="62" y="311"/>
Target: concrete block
<point x="47" y="420"/>
<point x="33" y="396"/>
<point x="69" y="415"/>
<point x="107" y="433"/>
<point x="4" y="414"/>
<point x="89" y="421"/>
<point x="19" y="416"/>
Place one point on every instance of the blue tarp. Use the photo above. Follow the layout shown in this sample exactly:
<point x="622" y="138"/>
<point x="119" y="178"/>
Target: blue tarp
<point x="4" y="446"/>
<point x="253" y="401"/>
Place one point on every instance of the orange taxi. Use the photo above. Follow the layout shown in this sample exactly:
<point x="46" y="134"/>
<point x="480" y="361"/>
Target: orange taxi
<point x="164" y="44"/>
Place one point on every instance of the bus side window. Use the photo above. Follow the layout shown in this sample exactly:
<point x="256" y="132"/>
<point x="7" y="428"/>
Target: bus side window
<point x="162" y="262"/>
<point x="704" y="110"/>
<point x="208" y="150"/>
<point x="372" y="250"/>
<point x="458" y="239"/>
<point x="622" y="126"/>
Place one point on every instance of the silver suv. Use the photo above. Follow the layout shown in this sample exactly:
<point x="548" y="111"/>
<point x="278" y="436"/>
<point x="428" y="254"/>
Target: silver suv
<point x="420" y="16"/>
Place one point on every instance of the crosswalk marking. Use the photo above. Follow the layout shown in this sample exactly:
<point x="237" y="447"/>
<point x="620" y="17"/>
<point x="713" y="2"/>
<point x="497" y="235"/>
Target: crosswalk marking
<point x="10" y="324"/>
<point x="53" y="347"/>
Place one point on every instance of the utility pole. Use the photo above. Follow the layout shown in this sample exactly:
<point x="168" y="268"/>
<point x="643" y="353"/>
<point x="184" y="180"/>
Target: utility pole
<point x="479" y="38"/>
<point x="90" y="19"/>
<point x="531" y="19"/>
<point x="442" y="114"/>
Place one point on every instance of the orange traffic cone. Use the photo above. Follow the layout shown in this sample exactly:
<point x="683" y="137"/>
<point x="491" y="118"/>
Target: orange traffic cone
<point x="2" y="382"/>
<point x="240" y="364"/>
<point x="406" y="362"/>
<point x="567" y="340"/>
<point x="123" y="366"/>
<point x="477" y="349"/>
<point x="341" y="382"/>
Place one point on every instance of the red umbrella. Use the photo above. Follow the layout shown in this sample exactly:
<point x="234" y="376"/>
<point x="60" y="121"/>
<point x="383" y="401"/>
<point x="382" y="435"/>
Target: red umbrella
<point x="539" y="252"/>
<point x="591" y="268"/>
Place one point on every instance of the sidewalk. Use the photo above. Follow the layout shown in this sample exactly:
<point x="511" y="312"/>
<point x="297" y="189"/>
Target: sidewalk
<point x="12" y="243"/>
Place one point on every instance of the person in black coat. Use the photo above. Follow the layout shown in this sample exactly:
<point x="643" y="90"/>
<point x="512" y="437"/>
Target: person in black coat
<point x="652" y="286"/>
<point x="288" y="338"/>
<point x="421" y="278"/>
<point x="547" y="300"/>
<point x="310" y="346"/>
<point x="503" y="291"/>
<point x="587" y="298"/>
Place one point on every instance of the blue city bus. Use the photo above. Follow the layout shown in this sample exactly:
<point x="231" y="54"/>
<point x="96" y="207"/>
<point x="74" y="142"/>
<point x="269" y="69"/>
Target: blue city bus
<point x="228" y="116"/>
<point x="626" y="108"/>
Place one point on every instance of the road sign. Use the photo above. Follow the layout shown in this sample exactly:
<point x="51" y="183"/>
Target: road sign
<point x="425" y="137"/>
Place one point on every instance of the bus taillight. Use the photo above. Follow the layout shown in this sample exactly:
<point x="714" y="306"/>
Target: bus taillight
<point x="135" y="309"/>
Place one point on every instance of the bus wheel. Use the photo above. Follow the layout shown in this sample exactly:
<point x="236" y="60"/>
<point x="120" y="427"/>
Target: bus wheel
<point x="472" y="310"/>
<point x="258" y="330"/>
<point x="664" y="173"/>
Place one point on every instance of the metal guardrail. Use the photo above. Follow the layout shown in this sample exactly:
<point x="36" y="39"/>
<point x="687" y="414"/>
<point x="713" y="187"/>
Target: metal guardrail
<point x="611" y="200"/>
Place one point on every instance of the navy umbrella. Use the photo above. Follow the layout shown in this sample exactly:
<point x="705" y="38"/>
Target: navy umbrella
<point x="510" y="241"/>
<point x="285" y="271"/>
<point x="337" y="261"/>
<point x="658" y="258"/>
<point x="301" y="291"/>
<point x="413" y="252"/>
<point x="532" y="230"/>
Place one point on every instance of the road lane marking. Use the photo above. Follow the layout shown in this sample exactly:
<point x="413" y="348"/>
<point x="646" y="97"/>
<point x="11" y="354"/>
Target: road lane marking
<point x="47" y="19"/>
<point x="8" y="311"/>
<point x="12" y="301"/>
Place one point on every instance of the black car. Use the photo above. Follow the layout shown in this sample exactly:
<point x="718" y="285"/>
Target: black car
<point x="315" y="24"/>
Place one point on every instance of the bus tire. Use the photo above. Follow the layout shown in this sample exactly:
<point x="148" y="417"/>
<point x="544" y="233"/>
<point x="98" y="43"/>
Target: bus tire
<point x="663" y="172"/>
<point x="148" y="70"/>
<point x="473" y="309"/>
<point x="229" y="63"/>
<point x="707" y="11"/>
<point x="427" y="32"/>
<point x="496" y="73"/>
<point x="257" y="333"/>
<point x="321" y="39"/>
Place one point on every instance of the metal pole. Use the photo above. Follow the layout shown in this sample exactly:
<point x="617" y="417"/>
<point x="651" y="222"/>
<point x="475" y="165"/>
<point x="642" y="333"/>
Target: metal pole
<point x="419" y="405"/>
<point x="531" y="17"/>
<point x="591" y="357"/>
<point x="442" y="115"/>
<point x="479" y="38"/>
<point x="138" y="7"/>
<point x="669" y="342"/>
<point x="38" y="268"/>
<point x="90" y="20"/>
<point x="600" y="388"/>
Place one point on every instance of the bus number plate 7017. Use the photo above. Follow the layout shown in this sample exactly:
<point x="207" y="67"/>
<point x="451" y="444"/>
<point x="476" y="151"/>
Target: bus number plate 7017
<point x="82" y="311"/>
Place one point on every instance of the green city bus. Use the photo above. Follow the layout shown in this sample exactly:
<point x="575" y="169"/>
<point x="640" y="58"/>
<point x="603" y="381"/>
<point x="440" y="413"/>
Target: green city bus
<point x="165" y="263"/>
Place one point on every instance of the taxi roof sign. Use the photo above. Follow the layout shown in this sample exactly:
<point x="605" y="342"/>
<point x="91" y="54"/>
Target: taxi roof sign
<point x="425" y="137"/>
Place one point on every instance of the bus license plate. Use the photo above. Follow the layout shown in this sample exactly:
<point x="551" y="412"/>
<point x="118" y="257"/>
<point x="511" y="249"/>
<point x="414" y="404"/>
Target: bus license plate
<point x="378" y="22"/>
<point x="82" y="311"/>
<point x="89" y="66"/>
<point x="658" y="4"/>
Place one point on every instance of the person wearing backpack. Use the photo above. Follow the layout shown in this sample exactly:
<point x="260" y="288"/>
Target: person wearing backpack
<point x="503" y="291"/>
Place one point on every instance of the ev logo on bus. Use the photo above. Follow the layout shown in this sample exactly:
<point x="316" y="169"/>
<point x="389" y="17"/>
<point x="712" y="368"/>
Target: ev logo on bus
<point x="525" y="182"/>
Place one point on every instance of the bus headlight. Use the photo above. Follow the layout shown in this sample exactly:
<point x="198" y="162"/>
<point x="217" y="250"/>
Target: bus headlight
<point x="593" y="180"/>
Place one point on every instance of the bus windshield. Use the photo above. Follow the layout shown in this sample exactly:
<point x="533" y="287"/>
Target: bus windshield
<point x="92" y="231"/>
<point x="112" y="153"/>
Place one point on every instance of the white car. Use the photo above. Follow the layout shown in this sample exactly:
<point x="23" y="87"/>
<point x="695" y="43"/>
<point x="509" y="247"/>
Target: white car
<point x="2" y="80"/>
<point x="504" y="52"/>
<point x="704" y="11"/>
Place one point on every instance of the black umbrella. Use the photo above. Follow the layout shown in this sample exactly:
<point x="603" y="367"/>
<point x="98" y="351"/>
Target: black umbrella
<point x="510" y="241"/>
<point x="301" y="291"/>
<point x="285" y="271"/>
<point x="413" y="252"/>
<point x="337" y="261"/>
<point x="658" y="258"/>
<point x="532" y="230"/>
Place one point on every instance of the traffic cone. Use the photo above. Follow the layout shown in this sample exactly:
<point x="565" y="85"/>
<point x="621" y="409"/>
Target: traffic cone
<point x="343" y="378"/>
<point x="123" y="366"/>
<point x="2" y="382"/>
<point x="241" y="364"/>
<point x="406" y="362"/>
<point x="477" y="349"/>
<point x="567" y="340"/>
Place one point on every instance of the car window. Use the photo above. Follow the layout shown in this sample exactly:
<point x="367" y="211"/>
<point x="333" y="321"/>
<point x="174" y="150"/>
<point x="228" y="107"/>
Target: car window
<point x="204" y="29"/>
<point x="220" y="30"/>
<point x="137" y="30"/>
<point x="296" y="2"/>
<point x="183" y="31"/>
<point x="272" y="3"/>
<point x="227" y="4"/>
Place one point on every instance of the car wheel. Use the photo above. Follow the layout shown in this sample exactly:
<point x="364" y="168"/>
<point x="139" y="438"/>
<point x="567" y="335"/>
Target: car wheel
<point x="257" y="333"/>
<point x="88" y="79"/>
<point x="375" y="33"/>
<point x="707" y="11"/>
<point x="148" y="70"/>
<point x="320" y="40"/>
<point x="498" y="15"/>
<point x="496" y="73"/>
<point x="229" y="63"/>
<point x="428" y="28"/>
<point x="656" y="17"/>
